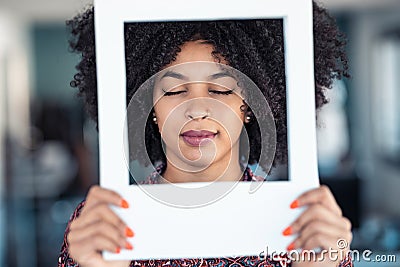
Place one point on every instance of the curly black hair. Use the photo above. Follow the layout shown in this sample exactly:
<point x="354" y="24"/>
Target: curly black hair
<point x="254" y="47"/>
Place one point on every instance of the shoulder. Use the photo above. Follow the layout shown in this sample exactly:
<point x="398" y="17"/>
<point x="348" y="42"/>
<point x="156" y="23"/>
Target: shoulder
<point x="155" y="176"/>
<point x="64" y="260"/>
<point x="250" y="176"/>
<point x="77" y="211"/>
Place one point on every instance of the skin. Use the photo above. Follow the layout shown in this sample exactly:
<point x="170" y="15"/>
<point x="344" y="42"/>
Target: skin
<point x="199" y="106"/>
<point x="98" y="228"/>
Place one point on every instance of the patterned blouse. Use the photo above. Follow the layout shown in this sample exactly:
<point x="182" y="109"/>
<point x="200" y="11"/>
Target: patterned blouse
<point x="65" y="260"/>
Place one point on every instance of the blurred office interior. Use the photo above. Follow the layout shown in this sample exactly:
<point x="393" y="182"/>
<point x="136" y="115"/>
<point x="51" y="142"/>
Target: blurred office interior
<point x="49" y="147"/>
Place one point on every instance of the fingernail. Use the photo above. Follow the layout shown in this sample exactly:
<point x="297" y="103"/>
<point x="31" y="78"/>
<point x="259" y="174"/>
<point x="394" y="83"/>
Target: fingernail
<point x="128" y="245"/>
<point x="124" y="204"/>
<point x="287" y="231"/>
<point x="295" y="204"/>
<point x="129" y="232"/>
<point x="290" y="247"/>
<point x="118" y="250"/>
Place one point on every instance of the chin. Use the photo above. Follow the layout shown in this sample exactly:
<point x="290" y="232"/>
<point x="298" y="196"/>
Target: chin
<point x="200" y="161"/>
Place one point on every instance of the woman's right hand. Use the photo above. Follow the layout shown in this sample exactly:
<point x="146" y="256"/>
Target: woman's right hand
<point x="97" y="229"/>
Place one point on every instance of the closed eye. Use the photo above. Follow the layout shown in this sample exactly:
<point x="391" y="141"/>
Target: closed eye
<point x="221" y="92"/>
<point x="172" y="93"/>
<point x="217" y="92"/>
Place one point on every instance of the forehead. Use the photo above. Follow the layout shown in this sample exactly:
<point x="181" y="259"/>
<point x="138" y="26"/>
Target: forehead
<point x="197" y="71"/>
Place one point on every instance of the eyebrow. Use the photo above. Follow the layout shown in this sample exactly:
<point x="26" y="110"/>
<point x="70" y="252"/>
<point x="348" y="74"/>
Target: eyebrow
<point x="221" y="75"/>
<point x="175" y="75"/>
<point x="180" y="76"/>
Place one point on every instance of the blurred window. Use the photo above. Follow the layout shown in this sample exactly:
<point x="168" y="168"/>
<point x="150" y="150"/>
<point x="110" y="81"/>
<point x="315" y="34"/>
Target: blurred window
<point x="385" y="101"/>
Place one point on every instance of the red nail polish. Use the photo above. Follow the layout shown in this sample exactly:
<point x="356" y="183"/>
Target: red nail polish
<point x="287" y="231"/>
<point x="295" y="204"/>
<point x="124" y="204"/>
<point x="129" y="232"/>
<point x="118" y="250"/>
<point x="290" y="247"/>
<point x="128" y="246"/>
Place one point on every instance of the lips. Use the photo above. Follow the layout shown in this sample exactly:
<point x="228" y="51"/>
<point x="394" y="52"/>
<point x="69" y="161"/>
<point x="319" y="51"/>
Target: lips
<point x="198" y="138"/>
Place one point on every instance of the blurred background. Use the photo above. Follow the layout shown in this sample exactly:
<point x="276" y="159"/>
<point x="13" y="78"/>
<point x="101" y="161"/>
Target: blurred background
<point x="49" y="148"/>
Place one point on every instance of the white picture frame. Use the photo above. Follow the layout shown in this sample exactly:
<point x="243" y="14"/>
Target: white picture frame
<point x="162" y="231"/>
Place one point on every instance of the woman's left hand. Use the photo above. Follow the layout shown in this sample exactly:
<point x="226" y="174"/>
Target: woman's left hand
<point x="320" y="226"/>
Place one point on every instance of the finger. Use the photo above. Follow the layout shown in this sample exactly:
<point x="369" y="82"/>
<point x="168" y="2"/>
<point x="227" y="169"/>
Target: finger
<point x="321" y="228"/>
<point x="321" y="248"/>
<point x="97" y="228"/>
<point x="91" y="246"/>
<point x="98" y="195"/>
<point x="315" y="241"/>
<point x="317" y="212"/>
<point x="325" y="242"/>
<point x="99" y="212"/>
<point x="321" y="195"/>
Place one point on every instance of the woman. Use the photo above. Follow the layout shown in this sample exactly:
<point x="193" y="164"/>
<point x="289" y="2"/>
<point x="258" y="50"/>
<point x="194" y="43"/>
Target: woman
<point x="252" y="47"/>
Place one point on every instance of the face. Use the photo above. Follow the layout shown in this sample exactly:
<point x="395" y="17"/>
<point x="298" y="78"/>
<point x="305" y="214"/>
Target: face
<point x="199" y="110"/>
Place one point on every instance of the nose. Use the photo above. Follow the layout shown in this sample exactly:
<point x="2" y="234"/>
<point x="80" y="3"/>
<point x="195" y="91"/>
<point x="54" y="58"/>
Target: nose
<point x="197" y="109"/>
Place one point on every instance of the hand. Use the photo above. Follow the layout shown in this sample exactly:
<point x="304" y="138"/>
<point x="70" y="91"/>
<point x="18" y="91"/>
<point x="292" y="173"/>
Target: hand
<point x="322" y="226"/>
<point x="98" y="228"/>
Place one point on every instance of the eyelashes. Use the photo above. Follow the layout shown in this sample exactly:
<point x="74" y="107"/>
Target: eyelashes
<point x="172" y="93"/>
<point x="228" y="92"/>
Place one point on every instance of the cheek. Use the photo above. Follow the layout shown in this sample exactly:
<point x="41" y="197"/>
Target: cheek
<point x="168" y="123"/>
<point x="233" y="124"/>
<point x="164" y="124"/>
<point x="162" y="111"/>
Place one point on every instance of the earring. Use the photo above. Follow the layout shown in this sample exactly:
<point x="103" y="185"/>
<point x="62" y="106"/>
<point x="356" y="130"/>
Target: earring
<point x="248" y="117"/>
<point x="154" y="118"/>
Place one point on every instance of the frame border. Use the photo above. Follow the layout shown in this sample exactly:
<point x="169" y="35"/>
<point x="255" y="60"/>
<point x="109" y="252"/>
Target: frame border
<point x="302" y="150"/>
